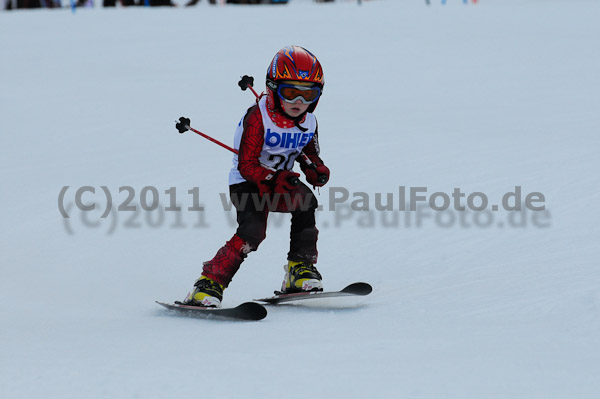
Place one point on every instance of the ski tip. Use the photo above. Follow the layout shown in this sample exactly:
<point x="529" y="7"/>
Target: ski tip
<point x="252" y="311"/>
<point x="245" y="311"/>
<point x="358" y="289"/>
<point x="166" y="305"/>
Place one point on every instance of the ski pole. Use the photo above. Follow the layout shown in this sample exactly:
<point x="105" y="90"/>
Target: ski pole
<point x="184" y="125"/>
<point x="246" y="82"/>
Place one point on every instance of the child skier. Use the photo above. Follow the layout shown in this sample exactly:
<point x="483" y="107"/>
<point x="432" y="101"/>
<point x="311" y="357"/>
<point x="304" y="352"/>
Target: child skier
<point x="269" y="138"/>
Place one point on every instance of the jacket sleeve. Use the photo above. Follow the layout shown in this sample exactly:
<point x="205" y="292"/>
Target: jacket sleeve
<point x="251" y="146"/>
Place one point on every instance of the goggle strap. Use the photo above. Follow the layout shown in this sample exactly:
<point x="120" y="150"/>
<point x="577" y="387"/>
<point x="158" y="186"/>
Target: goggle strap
<point x="272" y="85"/>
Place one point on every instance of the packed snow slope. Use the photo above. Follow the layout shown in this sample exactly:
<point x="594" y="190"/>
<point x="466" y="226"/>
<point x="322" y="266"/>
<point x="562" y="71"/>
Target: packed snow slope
<point x="466" y="304"/>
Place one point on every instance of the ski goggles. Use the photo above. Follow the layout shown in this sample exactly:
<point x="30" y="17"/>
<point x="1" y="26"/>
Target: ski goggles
<point x="291" y="93"/>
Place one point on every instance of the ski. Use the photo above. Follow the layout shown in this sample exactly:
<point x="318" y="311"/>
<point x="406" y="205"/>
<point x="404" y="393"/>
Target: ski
<point x="245" y="311"/>
<point x="356" y="289"/>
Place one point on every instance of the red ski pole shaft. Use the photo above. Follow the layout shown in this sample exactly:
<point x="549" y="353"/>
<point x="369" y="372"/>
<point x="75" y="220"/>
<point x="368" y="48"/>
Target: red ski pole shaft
<point x="183" y="125"/>
<point x="253" y="91"/>
<point x="206" y="136"/>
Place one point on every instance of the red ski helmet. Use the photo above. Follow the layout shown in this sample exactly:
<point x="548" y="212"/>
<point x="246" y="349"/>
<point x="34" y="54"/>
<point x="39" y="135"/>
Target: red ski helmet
<point x="293" y="63"/>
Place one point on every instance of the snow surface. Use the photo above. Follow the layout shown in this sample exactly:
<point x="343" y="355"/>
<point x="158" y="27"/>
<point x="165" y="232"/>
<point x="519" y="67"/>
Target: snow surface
<point x="482" y="97"/>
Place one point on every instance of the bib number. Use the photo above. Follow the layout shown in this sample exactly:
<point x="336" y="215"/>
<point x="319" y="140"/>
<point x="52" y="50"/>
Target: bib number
<point x="281" y="159"/>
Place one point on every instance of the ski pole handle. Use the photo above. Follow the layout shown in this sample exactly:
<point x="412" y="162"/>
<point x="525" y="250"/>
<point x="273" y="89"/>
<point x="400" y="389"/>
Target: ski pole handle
<point x="247" y="82"/>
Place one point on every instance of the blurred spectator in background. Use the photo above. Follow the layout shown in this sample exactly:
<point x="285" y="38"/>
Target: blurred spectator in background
<point x="128" y="3"/>
<point x="194" y="2"/>
<point x="113" y="3"/>
<point x="157" y="3"/>
<point x="14" y="4"/>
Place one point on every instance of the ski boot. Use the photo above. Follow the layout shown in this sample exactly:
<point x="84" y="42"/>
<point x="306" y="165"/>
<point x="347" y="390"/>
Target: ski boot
<point x="207" y="293"/>
<point x="301" y="276"/>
